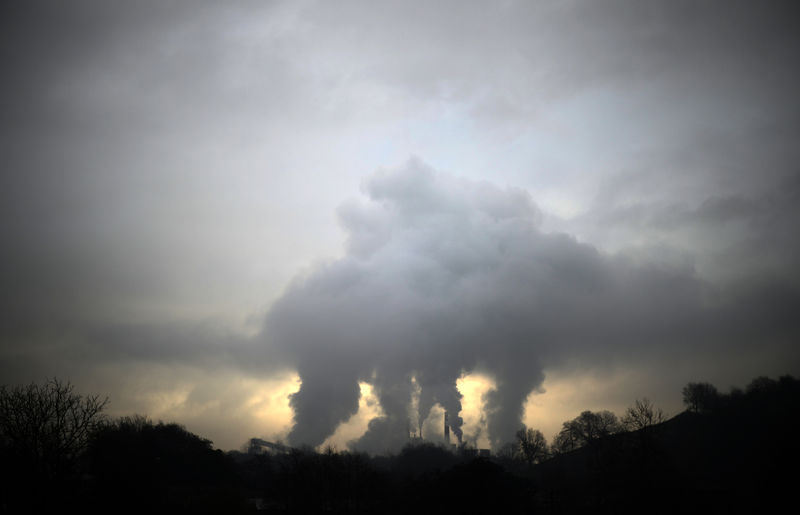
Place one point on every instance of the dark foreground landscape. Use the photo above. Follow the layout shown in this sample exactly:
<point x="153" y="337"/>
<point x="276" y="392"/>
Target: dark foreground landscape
<point x="727" y="453"/>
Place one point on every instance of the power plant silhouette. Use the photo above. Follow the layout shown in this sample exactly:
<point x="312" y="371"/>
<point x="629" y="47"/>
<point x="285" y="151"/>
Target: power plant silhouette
<point x="417" y="438"/>
<point x="259" y="446"/>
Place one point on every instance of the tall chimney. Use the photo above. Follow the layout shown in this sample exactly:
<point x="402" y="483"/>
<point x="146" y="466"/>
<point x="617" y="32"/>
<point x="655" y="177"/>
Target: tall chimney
<point x="446" y="429"/>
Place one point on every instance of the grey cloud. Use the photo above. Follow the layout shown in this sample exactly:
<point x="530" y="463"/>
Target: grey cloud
<point x="742" y="235"/>
<point x="534" y="53"/>
<point x="77" y="347"/>
<point x="713" y="211"/>
<point x="173" y="343"/>
<point x="121" y="198"/>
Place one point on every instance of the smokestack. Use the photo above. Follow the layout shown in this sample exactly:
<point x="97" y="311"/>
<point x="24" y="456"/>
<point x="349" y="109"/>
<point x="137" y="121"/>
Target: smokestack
<point x="446" y="430"/>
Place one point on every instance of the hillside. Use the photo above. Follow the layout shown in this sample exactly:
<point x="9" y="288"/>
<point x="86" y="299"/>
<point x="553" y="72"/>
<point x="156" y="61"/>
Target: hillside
<point x="736" y="457"/>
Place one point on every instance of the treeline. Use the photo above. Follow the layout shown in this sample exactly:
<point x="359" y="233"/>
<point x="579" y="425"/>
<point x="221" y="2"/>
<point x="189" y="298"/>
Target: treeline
<point x="727" y="452"/>
<point x="58" y="453"/>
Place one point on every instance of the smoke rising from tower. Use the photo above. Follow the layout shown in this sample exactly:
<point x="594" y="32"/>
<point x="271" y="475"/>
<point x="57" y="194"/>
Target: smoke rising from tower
<point x="446" y="429"/>
<point x="442" y="277"/>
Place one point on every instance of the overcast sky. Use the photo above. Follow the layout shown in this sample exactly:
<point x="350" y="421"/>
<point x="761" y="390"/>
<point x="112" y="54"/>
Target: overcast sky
<point x="521" y="209"/>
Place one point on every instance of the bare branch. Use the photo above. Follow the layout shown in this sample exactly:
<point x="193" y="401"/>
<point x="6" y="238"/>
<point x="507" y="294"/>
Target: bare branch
<point x="48" y="424"/>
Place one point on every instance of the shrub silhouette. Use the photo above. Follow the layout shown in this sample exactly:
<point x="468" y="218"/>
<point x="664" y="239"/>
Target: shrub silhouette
<point x="141" y="466"/>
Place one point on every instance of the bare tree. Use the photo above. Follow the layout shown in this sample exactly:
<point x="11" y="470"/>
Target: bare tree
<point x="642" y="415"/>
<point x="47" y="426"/>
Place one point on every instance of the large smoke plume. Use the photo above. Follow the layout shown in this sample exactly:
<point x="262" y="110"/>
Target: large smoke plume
<point x="443" y="276"/>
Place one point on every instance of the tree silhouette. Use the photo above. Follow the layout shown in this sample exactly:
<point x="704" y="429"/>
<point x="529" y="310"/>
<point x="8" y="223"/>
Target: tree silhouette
<point x="761" y="385"/>
<point x="565" y="441"/>
<point x="532" y="445"/>
<point x="161" y="467"/>
<point x="586" y="429"/>
<point x="642" y="415"/>
<point x="640" y="420"/>
<point x="700" y="397"/>
<point x="49" y="422"/>
<point x="44" y="429"/>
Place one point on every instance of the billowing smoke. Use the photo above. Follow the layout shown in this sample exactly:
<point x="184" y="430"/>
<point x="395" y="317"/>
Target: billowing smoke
<point x="443" y="276"/>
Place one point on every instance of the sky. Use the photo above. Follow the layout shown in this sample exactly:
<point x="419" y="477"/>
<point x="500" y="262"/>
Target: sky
<point x="329" y="222"/>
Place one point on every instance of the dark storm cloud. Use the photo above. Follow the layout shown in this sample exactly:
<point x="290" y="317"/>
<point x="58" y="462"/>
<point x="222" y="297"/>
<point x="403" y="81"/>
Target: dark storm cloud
<point x="445" y="276"/>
